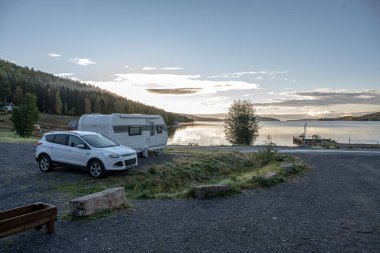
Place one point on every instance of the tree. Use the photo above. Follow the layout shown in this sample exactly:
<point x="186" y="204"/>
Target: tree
<point x="5" y="90"/>
<point x="18" y="96"/>
<point x="241" y="125"/>
<point x="87" y="106"/>
<point x="58" y="107"/>
<point x="25" y="115"/>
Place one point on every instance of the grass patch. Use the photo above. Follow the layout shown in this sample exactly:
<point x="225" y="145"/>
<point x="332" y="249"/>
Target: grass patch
<point x="188" y="168"/>
<point x="98" y="215"/>
<point x="11" y="137"/>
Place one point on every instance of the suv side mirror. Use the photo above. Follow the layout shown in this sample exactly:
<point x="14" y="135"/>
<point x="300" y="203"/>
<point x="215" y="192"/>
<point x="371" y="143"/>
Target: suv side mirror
<point x="80" y="146"/>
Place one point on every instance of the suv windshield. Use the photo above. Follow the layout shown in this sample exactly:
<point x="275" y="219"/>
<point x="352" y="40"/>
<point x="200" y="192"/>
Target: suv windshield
<point x="99" y="141"/>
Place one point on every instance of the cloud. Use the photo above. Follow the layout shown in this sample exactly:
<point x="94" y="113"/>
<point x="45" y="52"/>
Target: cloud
<point x="126" y="67"/>
<point x="76" y="79"/>
<point x="64" y="74"/>
<point x="149" y="68"/>
<point x="246" y="73"/>
<point x="317" y="98"/>
<point x="172" y="68"/>
<point x="82" y="61"/>
<point x="53" y="55"/>
<point x="179" y="91"/>
<point x="182" y="83"/>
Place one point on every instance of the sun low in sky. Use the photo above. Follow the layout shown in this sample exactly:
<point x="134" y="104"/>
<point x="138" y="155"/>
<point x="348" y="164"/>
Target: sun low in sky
<point x="296" y="58"/>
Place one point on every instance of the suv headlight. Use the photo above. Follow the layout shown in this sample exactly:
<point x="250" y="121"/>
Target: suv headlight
<point x="111" y="155"/>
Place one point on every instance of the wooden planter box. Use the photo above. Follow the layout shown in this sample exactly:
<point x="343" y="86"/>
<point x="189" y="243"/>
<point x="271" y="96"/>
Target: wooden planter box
<point x="26" y="217"/>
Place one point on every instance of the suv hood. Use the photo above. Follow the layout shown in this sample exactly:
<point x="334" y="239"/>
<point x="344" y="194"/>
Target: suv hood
<point x="121" y="150"/>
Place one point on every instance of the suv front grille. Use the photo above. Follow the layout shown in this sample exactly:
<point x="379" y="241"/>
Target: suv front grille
<point x="130" y="162"/>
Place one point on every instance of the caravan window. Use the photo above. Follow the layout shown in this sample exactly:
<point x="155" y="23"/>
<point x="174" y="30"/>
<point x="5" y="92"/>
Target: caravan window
<point x="159" y="129"/>
<point x="135" y="130"/>
<point x="120" y="129"/>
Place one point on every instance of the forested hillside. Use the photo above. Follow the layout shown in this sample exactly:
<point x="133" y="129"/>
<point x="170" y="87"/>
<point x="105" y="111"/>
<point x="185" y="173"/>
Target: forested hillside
<point x="367" y="117"/>
<point x="68" y="97"/>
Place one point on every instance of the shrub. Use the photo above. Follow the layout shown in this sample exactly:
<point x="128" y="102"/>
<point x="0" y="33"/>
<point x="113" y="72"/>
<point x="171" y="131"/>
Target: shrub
<point x="25" y="115"/>
<point x="266" y="152"/>
<point x="241" y="125"/>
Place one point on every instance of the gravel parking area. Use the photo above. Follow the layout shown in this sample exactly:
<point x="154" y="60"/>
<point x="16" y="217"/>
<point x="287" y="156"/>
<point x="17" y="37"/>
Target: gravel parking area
<point x="335" y="207"/>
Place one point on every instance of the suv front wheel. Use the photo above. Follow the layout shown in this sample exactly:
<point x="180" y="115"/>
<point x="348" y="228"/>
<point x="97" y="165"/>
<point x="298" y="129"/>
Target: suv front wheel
<point x="44" y="162"/>
<point x="96" y="168"/>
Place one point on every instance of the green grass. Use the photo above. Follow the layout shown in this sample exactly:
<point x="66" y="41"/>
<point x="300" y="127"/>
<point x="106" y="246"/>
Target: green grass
<point x="11" y="137"/>
<point x="175" y="179"/>
<point x="48" y="122"/>
<point x="98" y="215"/>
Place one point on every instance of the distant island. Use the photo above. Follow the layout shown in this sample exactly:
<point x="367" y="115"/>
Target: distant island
<point x="267" y="119"/>
<point x="220" y="117"/>
<point x="367" y="117"/>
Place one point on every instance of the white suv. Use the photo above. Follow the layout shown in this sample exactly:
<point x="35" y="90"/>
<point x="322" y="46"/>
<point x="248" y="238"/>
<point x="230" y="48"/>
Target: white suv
<point x="83" y="149"/>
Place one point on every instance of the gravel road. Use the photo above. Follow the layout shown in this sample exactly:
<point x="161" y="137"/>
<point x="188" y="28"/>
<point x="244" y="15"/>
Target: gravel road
<point x="335" y="207"/>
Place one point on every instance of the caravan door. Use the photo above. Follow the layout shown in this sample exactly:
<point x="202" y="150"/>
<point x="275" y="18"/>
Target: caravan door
<point x="152" y="134"/>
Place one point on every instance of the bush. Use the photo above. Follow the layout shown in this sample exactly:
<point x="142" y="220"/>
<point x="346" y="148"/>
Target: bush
<point x="266" y="153"/>
<point x="25" y="115"/>
<point x="241" y="125"/>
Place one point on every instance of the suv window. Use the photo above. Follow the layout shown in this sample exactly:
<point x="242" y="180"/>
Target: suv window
<point x="50" y="137"/>
<point x="74" y="141"/>
<point x="61" y="139"/>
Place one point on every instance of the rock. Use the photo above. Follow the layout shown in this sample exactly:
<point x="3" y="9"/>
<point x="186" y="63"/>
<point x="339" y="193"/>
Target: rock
<point x="89" y="204"/>
<point x="288" y="167"/>
<point x="270" y="175"/>
<point x="205" y="191"/>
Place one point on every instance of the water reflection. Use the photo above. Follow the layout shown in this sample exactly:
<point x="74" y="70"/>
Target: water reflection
<point x="282" y="132"/>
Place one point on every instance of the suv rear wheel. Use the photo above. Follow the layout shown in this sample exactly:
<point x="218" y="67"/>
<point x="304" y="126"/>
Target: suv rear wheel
<point x="96" y="168"/>
<point x="44" y="162"/>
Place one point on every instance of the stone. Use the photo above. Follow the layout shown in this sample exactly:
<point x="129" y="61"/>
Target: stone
<point x="90" y="204"/>
<point x="270" y="175"/>
<point x="205" y="191"/>
<point x="288" y="167"/>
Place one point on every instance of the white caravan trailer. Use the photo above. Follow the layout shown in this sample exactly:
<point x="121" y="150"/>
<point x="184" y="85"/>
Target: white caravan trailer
<point x="138" y="131"/>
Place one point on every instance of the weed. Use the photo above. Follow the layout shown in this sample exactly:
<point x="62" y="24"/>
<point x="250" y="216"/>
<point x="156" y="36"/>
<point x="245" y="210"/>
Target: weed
<point x="97" y="215"/>
<point x="266" y="152"/>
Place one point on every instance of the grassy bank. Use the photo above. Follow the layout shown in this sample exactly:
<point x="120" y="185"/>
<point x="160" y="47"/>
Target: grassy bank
<point x="188" y="168"/>
<point x="48" y="122"/>
<point x="11" y="137"/>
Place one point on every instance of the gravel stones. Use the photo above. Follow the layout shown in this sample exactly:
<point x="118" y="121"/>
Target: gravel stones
<point x="334" y="207"/>
<point x="206" y="191"/>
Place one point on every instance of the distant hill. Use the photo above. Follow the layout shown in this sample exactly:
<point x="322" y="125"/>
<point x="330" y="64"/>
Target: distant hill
<point x="367" y="117"/>
<point x="302" y="120"/>
<point x="220" y="117"/>
<point x="64" y="96"/>
<point x="198" y="118"/>
<point x="267" y="119"/>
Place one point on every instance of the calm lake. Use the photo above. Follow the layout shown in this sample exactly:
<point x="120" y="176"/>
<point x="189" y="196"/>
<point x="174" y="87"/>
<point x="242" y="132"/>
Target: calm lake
<point x="212" y="133"/>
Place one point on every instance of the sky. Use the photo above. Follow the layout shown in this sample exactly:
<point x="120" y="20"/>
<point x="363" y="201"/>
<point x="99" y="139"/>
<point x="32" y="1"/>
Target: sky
<point x="294" y="58"/>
